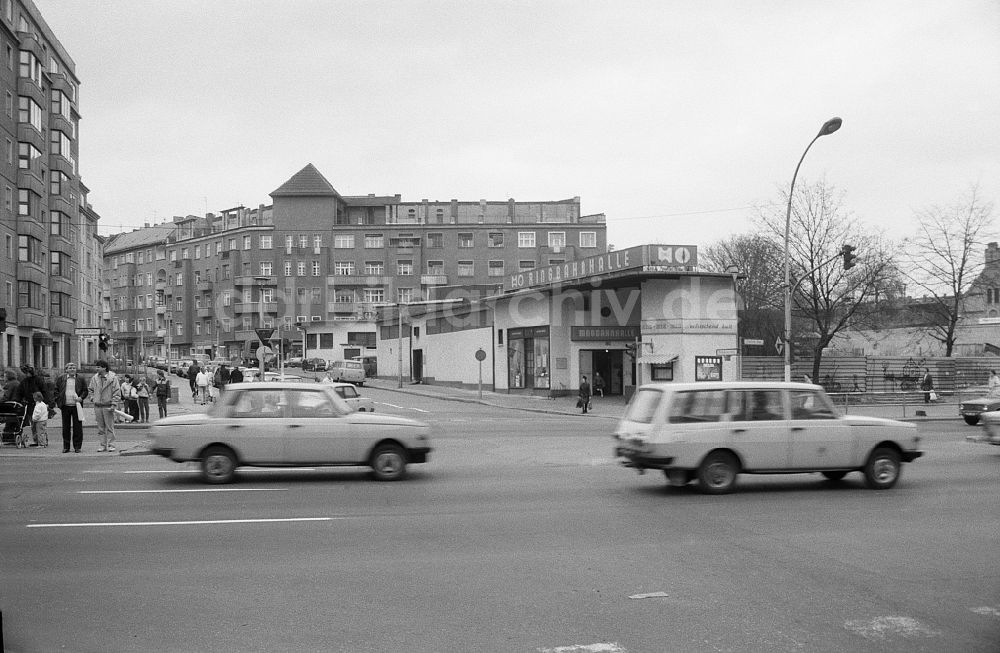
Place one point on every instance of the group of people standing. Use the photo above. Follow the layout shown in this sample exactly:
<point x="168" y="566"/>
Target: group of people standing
<point x="207" y="382"/>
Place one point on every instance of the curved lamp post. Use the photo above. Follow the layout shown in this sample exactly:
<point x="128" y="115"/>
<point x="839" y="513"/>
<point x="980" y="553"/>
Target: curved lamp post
<point x="830" y="126"/>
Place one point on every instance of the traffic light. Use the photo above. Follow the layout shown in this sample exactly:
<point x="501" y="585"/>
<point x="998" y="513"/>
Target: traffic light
<point x="102" y="341"/>
<point x="630" y="350"/>
<point x="849" y="256"/>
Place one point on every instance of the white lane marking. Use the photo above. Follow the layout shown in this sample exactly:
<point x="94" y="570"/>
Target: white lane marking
<point x="601" y="647"/>
<point x="884" y="627"/>
<point x="187" y="523"/>
<point x="650" y="595"/>
<point x="210" y="489"/>
<point x="987" y="610"/>
<point x="419" y="410"/>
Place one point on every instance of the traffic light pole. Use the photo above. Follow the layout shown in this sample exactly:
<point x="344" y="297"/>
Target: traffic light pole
<point x="791" y="293"/>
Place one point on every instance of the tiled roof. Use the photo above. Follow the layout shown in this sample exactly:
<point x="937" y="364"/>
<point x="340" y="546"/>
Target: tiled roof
<point x="307" y="181"/>
<point x="144" y="237"/>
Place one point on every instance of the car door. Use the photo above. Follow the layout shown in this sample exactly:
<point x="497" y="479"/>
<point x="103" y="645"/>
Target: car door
<point x="820" y="439"/>
<point x="316" y="431"/>
<point x="250" y="423"/>
<point x="349" y="394"/>
<point x="759" y="430"/>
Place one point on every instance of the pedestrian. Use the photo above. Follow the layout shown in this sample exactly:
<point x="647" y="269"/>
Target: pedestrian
<point x="236" y="376"/>
<point x="26" y="389"/>
<point x="142" y="390"/>
<point x="11" y="381"/>
<point x="106" y="393"/>
<point x="40" y="421"/>
<point x="192" y="375"/>
<point x="584" y="395"/>
<point x="71" y="390"/>
<point x="130" y="397"/>
<point x="598" y="384"/>
<point x="927" y="385"/>
<point x="161" y="388"/>
<point x="223" y="377"/>
<point x="202" y="381"/>
<point x="993" y="384"/>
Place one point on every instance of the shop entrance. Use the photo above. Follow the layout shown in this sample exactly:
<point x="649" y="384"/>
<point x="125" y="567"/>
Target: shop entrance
<point x="610" y="364"/>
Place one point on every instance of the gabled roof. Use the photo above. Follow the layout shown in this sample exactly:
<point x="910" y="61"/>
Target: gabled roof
<point x="306" y="182"/>
<point x="137" y="238"/>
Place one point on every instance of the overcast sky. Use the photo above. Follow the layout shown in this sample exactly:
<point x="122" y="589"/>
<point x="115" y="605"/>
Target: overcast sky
<point x="671" y="117"/>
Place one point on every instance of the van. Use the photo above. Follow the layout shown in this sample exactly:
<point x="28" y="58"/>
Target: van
<point x="369" y="363"/>
<point x="349" y="371"/>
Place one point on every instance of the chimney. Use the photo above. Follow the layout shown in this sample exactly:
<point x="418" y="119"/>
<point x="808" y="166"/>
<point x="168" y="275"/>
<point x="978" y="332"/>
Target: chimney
<point x="992" y="253"/>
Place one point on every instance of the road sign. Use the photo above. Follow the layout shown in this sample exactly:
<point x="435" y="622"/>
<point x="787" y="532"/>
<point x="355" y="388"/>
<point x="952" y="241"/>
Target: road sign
<point x="87" y="332"/>
<point x="480" y="355"/>
<point x="264" y="335"/>
<point x="778" y="345"/>
<point x="759" y="342"/>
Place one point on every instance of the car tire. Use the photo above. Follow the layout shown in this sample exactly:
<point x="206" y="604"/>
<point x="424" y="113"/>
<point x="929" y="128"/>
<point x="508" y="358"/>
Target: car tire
<point x="834" y="476"/>
<point x="971" y="420"/>
<point x="218" y="465"/>
<point x="882" y="469"/>
<point x="388" y="463"/>
<point x="717" y="473"/>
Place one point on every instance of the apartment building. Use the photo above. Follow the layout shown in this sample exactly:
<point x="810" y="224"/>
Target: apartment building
<point x="51" y="253"/>
<point x="317" y="266"/>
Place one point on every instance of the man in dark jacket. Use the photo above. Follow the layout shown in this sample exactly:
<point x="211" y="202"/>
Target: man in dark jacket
<point x="71" y="390"/>
<point x="192" y="374"/>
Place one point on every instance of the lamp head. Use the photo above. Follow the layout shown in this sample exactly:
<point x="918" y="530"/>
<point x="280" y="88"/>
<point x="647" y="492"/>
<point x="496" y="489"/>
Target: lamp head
<point x="830" y="126"/>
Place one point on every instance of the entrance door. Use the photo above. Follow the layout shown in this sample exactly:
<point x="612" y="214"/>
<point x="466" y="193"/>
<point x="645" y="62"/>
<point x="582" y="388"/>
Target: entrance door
<point x="418" y="364"/>
<point x="607" y="363"/>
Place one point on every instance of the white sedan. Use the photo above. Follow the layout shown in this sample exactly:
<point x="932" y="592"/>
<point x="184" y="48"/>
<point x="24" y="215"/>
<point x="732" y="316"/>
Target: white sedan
<point x="349" y="393"/>
<point x="280" y="424"/>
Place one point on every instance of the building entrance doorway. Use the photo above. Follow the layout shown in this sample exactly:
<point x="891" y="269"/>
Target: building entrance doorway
<point x="609" y="363"/>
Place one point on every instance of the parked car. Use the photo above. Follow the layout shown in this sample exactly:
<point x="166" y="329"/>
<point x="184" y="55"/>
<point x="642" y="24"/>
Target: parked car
<point x="294" y="361"/>
<point x="349" y="371"/>
<point x="972" y="409"/>
<point x="290" y="425"/>
<point x="990" y="433"/>
<point x="287" y="378"/>
<point x="349" y="393"/>
<point x="314" y="365"/>
<point x="713" y="431"/>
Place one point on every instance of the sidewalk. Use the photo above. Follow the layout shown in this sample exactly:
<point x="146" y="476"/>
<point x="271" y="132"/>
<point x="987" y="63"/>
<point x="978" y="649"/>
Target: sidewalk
<point x="133" y="439"/>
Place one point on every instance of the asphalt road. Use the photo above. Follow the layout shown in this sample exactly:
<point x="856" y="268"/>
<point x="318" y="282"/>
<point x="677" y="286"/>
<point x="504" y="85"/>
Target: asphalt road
<point x="520" y="535"/>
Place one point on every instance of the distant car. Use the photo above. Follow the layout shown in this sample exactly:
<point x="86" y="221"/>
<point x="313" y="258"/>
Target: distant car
<point x="250" y="374"/>
<point x="290" y="425"/>
<point x="349" y="371"/>
<point x="990" y="433"/>
<point x="972" y="409"/>
<point x="314" y="365"/>
<point x="287" y="378"/>
<point x="713" y="431"/>
<point x="349" y="393"/>
<point x="294" y="361"/>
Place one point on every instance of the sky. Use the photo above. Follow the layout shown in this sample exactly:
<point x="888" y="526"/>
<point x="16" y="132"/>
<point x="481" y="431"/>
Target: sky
<point x="673" y="118"/>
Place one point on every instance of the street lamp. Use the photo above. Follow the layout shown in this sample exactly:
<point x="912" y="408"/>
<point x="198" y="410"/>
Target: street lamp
<point x="830" y="126"/>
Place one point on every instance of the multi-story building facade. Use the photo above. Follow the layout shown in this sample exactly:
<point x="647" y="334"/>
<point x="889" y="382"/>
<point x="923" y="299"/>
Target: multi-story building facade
<point x="44" y="230"/>
<point x="316" y="266"/>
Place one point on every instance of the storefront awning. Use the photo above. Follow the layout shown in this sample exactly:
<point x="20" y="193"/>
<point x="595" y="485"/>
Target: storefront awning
<point x="657" y="359"/>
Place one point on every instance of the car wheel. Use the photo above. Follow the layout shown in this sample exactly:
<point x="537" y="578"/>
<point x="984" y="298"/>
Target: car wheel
<point x="717" y="474"/>
<point x="882" y="469"/>
<point x="389" y="463"/>
<point x="835" y="476"/>
<point x="361" y="410"/>
<point x="971" y="420"/>
<point x="218" y="465"/>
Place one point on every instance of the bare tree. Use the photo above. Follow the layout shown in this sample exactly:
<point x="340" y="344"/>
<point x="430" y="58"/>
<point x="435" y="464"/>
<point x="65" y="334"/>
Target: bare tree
<point x="827" y="298"/>
<point x="944" y="257"/>
<point x="759" y="259"/>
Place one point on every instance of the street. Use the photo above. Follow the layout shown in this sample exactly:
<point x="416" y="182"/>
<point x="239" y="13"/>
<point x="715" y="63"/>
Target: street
<point x="520" y="535"/>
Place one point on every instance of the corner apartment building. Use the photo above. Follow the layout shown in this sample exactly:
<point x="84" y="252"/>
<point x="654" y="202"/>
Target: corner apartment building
<point x="51" y="253"/>
<point x="317" y="266"/>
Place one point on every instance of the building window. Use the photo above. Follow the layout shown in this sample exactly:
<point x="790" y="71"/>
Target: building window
<point x="301" y="268"/>
<point x="315" y="268"/>
<point x="185" y="254"/>
<point x="404" y="295"/>
<point x="435" y="267"/>
<point x="288" y="268"/>
<point x="374" y="295"/>
<point x="317" y="244"/>
<point x="495" y="239"/>
<point x="343" y="241"/>
<point x="557" y="239"/>
<point x="496" y="269"/>
<point x="289" y="242"/>
<point x="404" y="267"/>
<point x="465" y="240"/>
<point x="374" y="267"/>
<point x="526" y="239"/>
<point x="266" y="268"/>
<point x="266" y="242"/>
<point x="247" y="242"/>
<point x="374" y="241"/>
<point x="435" y="240"/>
<point x="343" y="267"/>
<point x="29" y="249"/>
<point x="179" y="279"/>
<point x="588" y="239"/>
<point x="525" y="265"/>
<point x="466" y="268"/>
<point x="58" y="262"/>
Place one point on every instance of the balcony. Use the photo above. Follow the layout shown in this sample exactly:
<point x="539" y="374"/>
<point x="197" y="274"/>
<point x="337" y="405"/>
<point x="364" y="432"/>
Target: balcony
<point x="255" y="280"/>
<point x="161" y="285"/>
<point x="205" y="311"/>
<point x="253" y="308"/>
<point x="433" y="279"/>
<point x="161" y="309"/>
<point x="204" y="286"/>
<point x="361" y="280"/>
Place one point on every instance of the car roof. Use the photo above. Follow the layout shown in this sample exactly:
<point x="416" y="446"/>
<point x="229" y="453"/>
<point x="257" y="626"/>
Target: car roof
<point x="729" y="385"/>
<point x="274" y="385"/>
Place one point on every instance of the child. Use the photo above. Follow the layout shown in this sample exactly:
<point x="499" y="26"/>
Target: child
<point x="39" y="421"/>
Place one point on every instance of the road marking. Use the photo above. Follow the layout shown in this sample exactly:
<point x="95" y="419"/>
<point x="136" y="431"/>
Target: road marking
<point x="884" y="627"/>
<point x="419" y="410"/>
<point x="210" y="489"/>
<point x="278" y="470"/>
<point x="987" y="610"/>
<point x="650" y="595"/>
<point x="187" y="523"/>
<point x="601" y="647"/>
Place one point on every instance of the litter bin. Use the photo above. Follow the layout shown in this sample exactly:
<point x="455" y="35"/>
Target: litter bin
<point x="175" y="397"/>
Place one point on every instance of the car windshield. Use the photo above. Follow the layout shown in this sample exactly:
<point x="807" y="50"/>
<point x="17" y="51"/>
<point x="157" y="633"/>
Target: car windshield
<point x="642" y="408"/>
<point x="271" y="403"/>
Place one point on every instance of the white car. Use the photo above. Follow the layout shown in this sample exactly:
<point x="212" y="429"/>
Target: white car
<point x="713" y="431"/>
<point x="287" y="378"/>
<point x="990" y="433"/>
<point x="349" y="393"/>
<point x="290" y="425"/>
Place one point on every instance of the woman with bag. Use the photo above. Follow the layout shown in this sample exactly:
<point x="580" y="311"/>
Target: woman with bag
<point x="142" y="400"/>
<point x="927" y="385"/>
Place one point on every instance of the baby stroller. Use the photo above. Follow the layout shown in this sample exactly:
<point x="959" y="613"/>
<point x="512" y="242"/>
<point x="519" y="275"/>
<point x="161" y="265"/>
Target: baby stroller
<point x="12" y="414"/>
